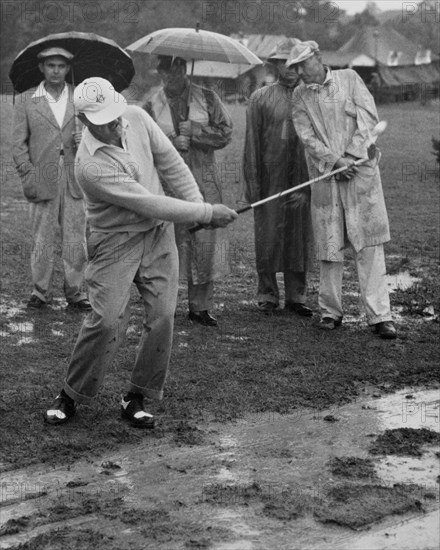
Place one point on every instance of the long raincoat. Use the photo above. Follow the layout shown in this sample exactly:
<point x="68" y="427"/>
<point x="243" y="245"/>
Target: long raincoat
<point x="274" y="161"/>
<point x="203" y="255"/>
<point x="332" y="120"/>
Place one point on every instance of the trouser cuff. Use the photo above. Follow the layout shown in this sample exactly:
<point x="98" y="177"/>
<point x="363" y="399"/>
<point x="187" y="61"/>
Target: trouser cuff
<point x="379" y="319"/>
<point x="78" y="397"/>
<point x="147" y="392"/>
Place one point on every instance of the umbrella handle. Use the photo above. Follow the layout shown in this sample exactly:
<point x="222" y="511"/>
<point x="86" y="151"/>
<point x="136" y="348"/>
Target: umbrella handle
<point x="190" y="89"/>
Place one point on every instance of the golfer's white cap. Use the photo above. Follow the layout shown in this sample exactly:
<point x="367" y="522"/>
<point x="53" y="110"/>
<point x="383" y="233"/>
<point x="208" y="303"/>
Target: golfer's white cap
<point x="302" y="51"/>
<point x="50" y="52"/>
<point x="99" y="101"/>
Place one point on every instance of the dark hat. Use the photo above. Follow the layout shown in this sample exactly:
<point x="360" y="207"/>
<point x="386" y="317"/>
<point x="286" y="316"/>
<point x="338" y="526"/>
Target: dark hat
<point x="165" y="62"/>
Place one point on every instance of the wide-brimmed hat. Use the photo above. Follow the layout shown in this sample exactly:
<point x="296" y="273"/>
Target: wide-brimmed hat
<point x="50" y="52"/>
<point x="97" y="99"/>
<point x="283" y="49"/>
<point x="302" y="51"/>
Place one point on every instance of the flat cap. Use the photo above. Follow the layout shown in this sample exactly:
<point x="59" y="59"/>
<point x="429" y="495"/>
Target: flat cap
<point x="283" y="49"/>
<point x="302" y="51"/>
<point x="50" y="52"/>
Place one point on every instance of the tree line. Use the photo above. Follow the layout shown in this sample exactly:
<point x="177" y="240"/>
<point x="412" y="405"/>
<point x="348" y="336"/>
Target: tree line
<point x="127" y="20"/>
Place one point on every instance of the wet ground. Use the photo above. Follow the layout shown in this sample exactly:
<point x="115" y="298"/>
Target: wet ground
<point x="304" y="480"/>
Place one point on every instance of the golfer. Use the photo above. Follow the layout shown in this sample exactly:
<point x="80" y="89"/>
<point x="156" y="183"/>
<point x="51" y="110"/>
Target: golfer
<point x="334" y="114"/>
<point x="131" y="240"/>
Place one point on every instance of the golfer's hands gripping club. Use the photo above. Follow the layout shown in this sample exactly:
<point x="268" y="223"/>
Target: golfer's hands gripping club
<point x="349" y="165"/>
<point x="221" y="216"/>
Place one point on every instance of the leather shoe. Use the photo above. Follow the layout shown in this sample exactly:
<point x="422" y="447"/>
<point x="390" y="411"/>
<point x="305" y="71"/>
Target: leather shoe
<point x="133" y="411"/>
<point x="35" y="302"/>
<point x="61" y="410"/>
<point x="386" y="330"/>
<point x="328" y="323"/>
<point x="298" y="308"/>
<point x="267" y="307"/>
<point x="203" y="318"/>
<point x="82" y="305"/>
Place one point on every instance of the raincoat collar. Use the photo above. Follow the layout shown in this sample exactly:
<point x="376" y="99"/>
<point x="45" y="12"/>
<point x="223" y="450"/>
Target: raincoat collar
<point x="327" y="81"/>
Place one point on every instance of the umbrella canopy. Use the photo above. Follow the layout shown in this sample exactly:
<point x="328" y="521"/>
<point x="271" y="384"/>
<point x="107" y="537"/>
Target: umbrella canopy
<point x="193" y="44"/>
<point x="94" y="55"/>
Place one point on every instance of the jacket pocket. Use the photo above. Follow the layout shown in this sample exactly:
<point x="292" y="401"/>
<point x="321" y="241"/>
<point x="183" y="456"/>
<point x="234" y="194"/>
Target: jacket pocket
<point x="29" y="184"/>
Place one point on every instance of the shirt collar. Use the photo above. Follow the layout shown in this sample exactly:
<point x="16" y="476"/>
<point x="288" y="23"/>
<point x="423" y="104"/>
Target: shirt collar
<point x="42" y="92"/>
<point x="94" y="144"/>
<point x="327" y="81"/>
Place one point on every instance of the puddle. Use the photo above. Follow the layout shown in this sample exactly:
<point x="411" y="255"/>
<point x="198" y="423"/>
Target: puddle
<point x="279" y="457"/>
<point x="401" y="281"/>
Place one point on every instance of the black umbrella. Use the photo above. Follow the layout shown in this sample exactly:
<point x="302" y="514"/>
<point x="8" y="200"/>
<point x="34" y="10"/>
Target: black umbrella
<point x="94" y="55"/>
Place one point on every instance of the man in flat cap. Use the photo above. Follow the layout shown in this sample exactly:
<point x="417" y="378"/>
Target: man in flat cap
<point x="197" y="127"/>
<point x="131" y="240"/>
<point x="44" y="147"/>
<point x="274" y="161"/>
<point x="334" y="115"/>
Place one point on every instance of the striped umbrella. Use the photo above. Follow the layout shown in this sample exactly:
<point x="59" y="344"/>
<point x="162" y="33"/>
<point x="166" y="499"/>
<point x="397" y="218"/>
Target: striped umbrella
<point x="195" y="44"/>
<point x="192" y="44"/>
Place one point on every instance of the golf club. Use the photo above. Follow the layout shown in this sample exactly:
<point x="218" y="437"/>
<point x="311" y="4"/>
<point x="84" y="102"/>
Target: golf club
<point x="371" y="154"/>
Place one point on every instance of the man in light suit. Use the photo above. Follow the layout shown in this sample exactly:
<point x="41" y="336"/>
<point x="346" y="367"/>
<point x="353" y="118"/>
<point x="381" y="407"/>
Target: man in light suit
<point x="44" y="146"/>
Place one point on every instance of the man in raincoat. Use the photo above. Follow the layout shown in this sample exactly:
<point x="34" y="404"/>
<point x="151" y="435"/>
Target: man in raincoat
<point x="274" y="161"/>
<point x="196" y="133"/>
<point x="334" y="115"/>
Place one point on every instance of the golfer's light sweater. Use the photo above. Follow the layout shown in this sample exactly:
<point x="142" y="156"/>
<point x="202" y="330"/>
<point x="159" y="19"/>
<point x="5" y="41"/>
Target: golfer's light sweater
<point x="122" y="187"/>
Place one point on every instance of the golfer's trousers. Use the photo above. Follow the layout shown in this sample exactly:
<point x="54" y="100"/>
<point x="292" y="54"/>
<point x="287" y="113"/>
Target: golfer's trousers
<point x="370" y="264"/>
<point x="149" y="259"/>
<point x="295" y="287"/>
<point x="59" y="219"/>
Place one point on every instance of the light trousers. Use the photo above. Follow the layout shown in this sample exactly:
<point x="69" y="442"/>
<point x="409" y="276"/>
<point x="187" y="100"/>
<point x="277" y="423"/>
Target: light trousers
<point x="116" y="260"/>
<point x="371" y="269"/>
<point x="55" y="223"/>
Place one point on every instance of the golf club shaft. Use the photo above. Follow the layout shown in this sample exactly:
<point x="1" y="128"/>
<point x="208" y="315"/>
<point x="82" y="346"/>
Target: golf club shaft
<point x="291" y="190"/>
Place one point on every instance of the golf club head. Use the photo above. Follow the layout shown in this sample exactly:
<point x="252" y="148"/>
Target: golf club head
<point x="371" y="151"/>
<point x="378" y="130"/>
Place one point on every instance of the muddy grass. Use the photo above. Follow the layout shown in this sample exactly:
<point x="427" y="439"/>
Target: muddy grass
<point x="351" y="505"/>
<point x="124" y="527"/>
<point x="352" y="467"/>
<point x="404" y="441"/>
<point x="357" y="506"/>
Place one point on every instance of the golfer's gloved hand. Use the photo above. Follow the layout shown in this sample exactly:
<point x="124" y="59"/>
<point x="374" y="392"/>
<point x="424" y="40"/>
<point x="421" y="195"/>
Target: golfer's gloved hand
<point x="185" y="128"/>
<point x="351" y="170"/>
<point x="221" y="216"/>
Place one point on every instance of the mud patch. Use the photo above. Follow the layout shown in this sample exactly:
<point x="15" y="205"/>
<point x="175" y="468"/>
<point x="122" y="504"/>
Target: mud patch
<point x="356" y="506"/>
<point x="185" y="434"/>
<point x="352" y="467"/>
<point x="68" y="540"/>
<point x="404" y="441"/>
